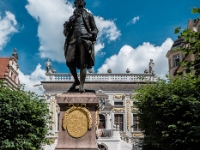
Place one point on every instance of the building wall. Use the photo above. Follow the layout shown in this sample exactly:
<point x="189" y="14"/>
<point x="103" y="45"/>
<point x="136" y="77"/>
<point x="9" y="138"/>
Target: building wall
<point x="9" y="71"/>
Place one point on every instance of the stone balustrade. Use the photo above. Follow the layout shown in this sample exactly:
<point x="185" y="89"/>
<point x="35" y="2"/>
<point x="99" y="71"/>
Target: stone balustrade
<point x="103" y="77"/>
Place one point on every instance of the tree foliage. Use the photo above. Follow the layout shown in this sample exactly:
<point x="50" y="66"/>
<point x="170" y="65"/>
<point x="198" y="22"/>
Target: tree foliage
<point x="169" y="114"/>
<point x="24" y="119"/>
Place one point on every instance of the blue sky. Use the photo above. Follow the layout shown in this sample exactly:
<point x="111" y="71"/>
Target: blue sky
<point x="131" y="33"/>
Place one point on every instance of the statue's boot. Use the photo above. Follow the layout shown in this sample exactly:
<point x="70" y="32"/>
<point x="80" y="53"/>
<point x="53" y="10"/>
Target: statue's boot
<point x="73" y="86"/>
<point x="81" y="89"/>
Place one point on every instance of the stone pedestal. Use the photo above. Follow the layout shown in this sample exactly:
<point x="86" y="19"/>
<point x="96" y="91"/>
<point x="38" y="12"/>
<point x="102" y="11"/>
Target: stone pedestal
<point x="88" y="140"/>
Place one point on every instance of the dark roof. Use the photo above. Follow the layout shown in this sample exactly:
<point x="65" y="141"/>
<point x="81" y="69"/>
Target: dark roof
<point x="178" y="42"/>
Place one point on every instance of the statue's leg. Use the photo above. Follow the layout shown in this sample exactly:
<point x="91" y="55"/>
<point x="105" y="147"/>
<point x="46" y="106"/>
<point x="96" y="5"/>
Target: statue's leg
<point x="72" y="69"/>
<point x="76" y="82"/>
<point x="82" y="79"/>
<point x="83" y="65"/>
<point x="70" y="62"/>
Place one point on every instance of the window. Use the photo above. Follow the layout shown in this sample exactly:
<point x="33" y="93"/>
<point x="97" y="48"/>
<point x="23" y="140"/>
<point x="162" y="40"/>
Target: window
<point x="184" y="56"/>
<point x="14" y="78"/>
<point x="136" y="122"/>
<point x="119" y="121"/>
<point x="102" y="122"/>
<point x="176" y="60"/>
<point x="118" y="103"/>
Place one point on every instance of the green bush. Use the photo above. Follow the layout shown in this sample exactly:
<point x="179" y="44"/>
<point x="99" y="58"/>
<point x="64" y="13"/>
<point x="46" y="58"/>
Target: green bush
<point x="169" y="114"/>
<point x="24" y="119"/>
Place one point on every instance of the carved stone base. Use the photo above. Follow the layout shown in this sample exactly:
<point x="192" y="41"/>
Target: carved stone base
<point x="76" y="110"/>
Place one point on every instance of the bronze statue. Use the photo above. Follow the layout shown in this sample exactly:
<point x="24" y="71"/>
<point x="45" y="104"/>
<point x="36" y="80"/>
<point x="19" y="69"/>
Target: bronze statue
<point x="81" y="33"/>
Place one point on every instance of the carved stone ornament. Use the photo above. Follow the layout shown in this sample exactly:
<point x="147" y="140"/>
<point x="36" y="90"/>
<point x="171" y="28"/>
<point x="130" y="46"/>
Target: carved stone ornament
<point x="97" y="118"/>
<point x="109" y="71"/>
<point x="134" y="110"/>
<point x="57" y="109"/>
<point x="51" y="141"/>
<point x="77" y="121"/>
<point x="118" y="109"/>
<point x="137" y="135"/>
<point x="127" y="70"/>
<point x="119" y="96"/>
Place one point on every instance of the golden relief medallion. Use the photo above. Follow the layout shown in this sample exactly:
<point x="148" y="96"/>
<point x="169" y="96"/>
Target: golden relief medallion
<point x="77" y="121"/>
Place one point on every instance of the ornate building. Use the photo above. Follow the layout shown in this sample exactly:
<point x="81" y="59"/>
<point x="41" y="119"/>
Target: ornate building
<point x="9" y="70"/>
<point x="174" y="56"/>
<point x="117" y="114"/>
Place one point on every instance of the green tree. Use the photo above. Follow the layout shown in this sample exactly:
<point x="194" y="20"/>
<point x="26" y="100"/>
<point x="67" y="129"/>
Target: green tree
<point x="169" y="114"/>
<point x="24" y="119"/>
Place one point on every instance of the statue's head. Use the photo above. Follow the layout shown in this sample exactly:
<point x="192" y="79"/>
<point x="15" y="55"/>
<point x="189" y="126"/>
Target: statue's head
<point x="79" y="3"/>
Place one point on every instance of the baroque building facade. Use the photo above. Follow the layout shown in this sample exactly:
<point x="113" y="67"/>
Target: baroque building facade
<point x="117" y="116"/>
<point x="175" y="57"/>
<point x="9" y="70"/>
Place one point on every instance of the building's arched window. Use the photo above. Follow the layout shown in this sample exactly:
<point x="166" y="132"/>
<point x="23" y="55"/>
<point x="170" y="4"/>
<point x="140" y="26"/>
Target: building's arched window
<point x="102" y="122"/>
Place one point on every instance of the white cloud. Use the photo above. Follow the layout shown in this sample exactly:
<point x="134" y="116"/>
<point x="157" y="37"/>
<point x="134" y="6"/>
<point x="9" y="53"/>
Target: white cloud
<point x="107" y="28"/>
<point x="134" y="20"/>
<point x="8" y="26"/>
<point x="34" y="78"/>
<point x="137" y="59"/>
<point x="51" y="15"/>
<point x="98" y="47"/>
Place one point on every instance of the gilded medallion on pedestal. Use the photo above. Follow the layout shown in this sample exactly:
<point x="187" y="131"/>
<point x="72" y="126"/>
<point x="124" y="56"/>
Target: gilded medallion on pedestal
<point x="77" y="120"/>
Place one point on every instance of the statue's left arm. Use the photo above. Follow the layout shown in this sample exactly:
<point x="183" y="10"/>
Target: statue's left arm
<point x="93" y="27"/>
